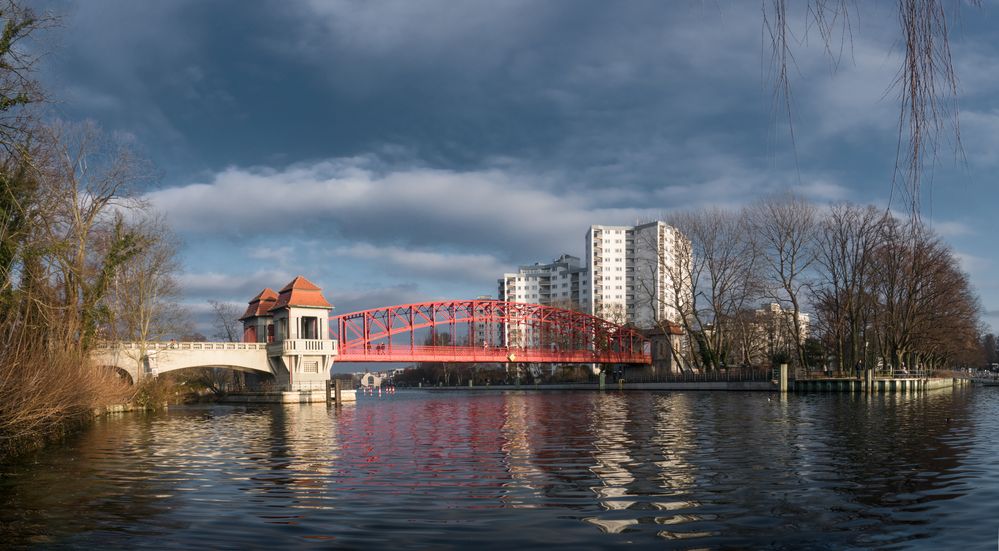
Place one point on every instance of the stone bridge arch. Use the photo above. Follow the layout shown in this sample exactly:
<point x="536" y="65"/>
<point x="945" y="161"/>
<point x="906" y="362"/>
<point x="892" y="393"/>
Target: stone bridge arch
<point x="125" y="374"/>
<point x="152" y="359"/>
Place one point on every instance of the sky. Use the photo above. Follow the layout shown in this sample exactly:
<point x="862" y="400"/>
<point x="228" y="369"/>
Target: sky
<point x="404" y="151"/>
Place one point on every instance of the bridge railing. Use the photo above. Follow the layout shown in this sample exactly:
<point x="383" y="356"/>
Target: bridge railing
<point x="487" y="354"/>
<point x="182" y="346"/>
<point x="319" y="346"/>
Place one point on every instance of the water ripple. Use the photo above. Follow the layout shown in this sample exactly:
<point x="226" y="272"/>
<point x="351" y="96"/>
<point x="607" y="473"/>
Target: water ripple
<point x="529" y="470"/>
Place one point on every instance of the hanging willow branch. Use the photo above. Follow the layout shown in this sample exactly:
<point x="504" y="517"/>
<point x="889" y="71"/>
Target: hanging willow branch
<point x="927" y="86"/>
<point x="926" y="81"/>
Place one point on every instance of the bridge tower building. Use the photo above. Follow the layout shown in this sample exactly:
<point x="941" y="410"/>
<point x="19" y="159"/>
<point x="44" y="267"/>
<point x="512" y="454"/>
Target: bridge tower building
<point x="294" y="323"/>
<point x="258" y="323"/>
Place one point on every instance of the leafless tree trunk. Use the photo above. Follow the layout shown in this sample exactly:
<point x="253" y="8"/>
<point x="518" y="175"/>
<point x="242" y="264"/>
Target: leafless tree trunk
<point x="785" y="230"/>
<point x="846" y="246"/>
<point x="142" y="299"/>
<point x="225" y="320"/>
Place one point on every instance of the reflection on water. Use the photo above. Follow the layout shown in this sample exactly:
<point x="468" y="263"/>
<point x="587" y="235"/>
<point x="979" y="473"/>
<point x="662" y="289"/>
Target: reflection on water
<point x="579" y="470"/>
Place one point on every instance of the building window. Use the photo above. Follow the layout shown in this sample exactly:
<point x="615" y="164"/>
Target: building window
<point x="310" y="328"/>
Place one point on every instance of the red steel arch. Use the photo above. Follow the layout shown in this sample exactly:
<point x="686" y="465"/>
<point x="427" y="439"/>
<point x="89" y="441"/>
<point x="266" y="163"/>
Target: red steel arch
<point x="484" y="331"/>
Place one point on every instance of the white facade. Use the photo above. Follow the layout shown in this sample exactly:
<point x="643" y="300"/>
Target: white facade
<point x="771" y="315"/>
<point x="486" y="334"/>
<point x="632" y="269"/>
<point x="627" y="276"/>
<point x="563" y="283"/>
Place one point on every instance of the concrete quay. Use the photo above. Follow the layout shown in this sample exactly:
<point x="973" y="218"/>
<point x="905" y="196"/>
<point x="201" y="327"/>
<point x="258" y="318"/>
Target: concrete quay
<point x="878" y="386"/>
<point x="285" y="397"/>
<point x="693" y="385"/>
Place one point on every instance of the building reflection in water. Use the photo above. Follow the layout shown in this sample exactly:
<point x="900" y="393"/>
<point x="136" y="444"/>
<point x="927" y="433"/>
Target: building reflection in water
<point x="299" y="454"/>
<point x="706" y="469"/>
<point x="526" y="479"/>
<point x="674" y="438"/>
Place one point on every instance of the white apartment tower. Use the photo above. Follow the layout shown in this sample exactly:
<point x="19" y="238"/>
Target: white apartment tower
<point x="633" y="270"/>
<point x="628" y="277"/>
<point x="563" y="283"/>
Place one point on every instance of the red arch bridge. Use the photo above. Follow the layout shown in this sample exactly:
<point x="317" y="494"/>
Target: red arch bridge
<point x="484" y="331"/>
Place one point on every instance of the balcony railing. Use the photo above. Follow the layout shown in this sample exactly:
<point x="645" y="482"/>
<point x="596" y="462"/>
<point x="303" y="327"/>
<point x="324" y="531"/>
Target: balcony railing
<point x="306" y="346"/>
<point x="183" y="345"/>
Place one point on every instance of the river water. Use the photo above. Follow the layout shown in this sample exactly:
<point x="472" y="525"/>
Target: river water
<point x="506" y="470"/>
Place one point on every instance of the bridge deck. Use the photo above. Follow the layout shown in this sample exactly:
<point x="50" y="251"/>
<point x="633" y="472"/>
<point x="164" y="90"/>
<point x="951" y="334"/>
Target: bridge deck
<point x="465" y="354"/>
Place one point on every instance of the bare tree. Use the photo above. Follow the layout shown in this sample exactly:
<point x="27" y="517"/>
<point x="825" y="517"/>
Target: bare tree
<point x="846" y="244"/>
<point x="86" y="176"/>
<point x="141" y="304"/>
<point x="225" y="321"/>
<point x="785" y="231"/>
<point x="708" y="273"/>
<point x="926" y="310"/>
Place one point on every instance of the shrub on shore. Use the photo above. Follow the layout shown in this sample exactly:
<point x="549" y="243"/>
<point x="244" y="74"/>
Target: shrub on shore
<point x="47" y="391"/>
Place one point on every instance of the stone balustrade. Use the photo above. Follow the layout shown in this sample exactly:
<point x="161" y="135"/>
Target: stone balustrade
<point x="182" y="346"/>
<point x="309" y="346"/>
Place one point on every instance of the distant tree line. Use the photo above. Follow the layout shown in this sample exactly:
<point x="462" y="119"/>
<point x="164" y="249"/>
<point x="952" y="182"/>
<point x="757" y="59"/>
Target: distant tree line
<point x="878" y="289"/>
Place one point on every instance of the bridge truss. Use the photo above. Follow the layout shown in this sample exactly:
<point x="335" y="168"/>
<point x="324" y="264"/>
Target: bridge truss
<point x="484" y="331"/>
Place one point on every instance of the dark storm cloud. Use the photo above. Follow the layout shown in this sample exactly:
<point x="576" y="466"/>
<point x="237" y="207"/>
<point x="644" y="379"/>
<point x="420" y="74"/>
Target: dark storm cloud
<point x="604" y="89"/>
<point x="417" y="134"/>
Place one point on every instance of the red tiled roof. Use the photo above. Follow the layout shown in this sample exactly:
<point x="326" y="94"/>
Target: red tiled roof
<point x="261" y="304"/>
<point x="302" y="284"/>
<point x="301" y="292"/>
<point x="670" y="329"/>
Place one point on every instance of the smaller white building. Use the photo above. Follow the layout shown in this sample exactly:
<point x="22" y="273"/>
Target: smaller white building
<point x="562" y="283"/>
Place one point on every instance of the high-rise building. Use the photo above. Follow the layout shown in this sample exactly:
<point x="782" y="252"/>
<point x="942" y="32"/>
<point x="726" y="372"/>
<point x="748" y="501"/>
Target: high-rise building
<point x="633" y="270"/>
<point x="628" y="276"/>
<point x="563" y="283"/>
<point x="487" y="333"/>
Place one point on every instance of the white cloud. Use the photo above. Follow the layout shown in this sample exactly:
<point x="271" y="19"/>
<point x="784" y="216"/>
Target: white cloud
<point x="279" y="255"/>
<point x="952" y="228"/>
<point x="504" y="211"/>
<point x="820" y="190"/>
<point x="975" y="265"/>
<point x="352" y="300"/>
<point x="472" y="267"/>
<point x="216" y="285"/>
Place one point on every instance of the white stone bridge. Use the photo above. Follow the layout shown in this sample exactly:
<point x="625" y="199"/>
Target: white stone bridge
<point x="293" y="363"/>
<point x="283" y="336"/>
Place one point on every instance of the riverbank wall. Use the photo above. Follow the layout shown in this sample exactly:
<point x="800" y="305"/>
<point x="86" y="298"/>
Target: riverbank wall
<point x="907" y="385"/>
<point x="878" y="386"/>
<point x="732" y="385"/>
<point x="284" y="397"/>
